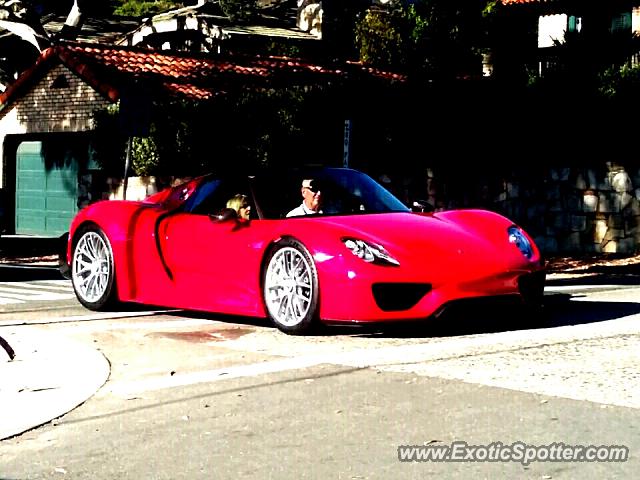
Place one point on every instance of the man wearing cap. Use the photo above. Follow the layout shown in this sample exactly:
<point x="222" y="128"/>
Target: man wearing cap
<point x="311" y="197"/>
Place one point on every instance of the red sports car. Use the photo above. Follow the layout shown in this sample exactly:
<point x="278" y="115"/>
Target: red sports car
<point x="361" y="256"/>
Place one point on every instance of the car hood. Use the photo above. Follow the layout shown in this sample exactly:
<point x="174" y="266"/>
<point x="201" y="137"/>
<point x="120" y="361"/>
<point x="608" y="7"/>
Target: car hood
<point x="480" y="237"/>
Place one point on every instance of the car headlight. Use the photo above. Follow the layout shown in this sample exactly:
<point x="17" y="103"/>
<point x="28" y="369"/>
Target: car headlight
<point x="369" y="252"/>
<point x="520" y="240"/>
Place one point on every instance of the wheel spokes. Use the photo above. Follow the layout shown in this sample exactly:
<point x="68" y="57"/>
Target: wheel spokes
<point x="91" y="267"/>
<point x="288" y="289"/>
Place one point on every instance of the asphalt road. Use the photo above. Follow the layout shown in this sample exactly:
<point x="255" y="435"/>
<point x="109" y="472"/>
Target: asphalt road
<point x="198" y="396"/>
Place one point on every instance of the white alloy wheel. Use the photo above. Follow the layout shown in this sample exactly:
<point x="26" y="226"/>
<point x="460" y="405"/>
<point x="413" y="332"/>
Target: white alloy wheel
<point x="92" y="269"/>
<point x="290" y="288"/>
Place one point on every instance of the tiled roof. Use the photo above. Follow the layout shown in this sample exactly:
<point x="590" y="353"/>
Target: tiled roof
<point x="108" y="68"/>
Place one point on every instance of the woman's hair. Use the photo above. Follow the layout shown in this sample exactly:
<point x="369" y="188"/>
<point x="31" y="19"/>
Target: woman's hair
<point x="237" y="201"/>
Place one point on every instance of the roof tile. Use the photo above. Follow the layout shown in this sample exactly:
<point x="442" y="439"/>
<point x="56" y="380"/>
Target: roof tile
<point x="199" y="77"/>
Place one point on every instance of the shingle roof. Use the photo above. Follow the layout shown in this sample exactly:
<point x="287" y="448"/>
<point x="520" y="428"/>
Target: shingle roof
<point x="108" y="68"/>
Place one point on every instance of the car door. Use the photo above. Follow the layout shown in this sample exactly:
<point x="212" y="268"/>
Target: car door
<point x="215" y="264"/>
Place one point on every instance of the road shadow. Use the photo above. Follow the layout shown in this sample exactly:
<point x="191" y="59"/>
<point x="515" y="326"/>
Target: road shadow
<point x="559" y="310"/>
<point x="466" y="318"/>
<point x="566" y="309"/>
<point x="220" y="317"/>
<point x="23" y="273"/>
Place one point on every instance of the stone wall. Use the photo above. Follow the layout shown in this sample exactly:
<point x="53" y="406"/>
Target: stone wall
<point x="587" y="210"/>
<point x="574" y="209"/>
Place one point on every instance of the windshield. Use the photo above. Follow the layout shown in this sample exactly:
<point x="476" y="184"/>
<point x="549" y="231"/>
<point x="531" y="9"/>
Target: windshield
<point x="344" y="192"/>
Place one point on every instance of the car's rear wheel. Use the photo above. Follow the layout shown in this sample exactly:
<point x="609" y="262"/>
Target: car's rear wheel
<point x="92" y="269"/>
<point x="290" y="288"/>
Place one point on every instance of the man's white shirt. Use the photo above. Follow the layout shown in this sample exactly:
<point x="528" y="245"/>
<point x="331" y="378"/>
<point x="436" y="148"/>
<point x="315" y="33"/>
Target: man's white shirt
<point x="301" y="209"/>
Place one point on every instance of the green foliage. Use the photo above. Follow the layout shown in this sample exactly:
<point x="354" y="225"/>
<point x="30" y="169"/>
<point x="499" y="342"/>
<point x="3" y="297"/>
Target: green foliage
<point x="109" y="143"/>
<point x="239" y="10"/>
<point x="592" y="65"/>
<point x="110" y="146"/>
<point x="418" y="25"/>
<point x="620" y="82"/>
<point x="435" y="38"/>
<point x="491" y="8"/>
<point x="251" y="128"/>
<point x="283" y="48"/>
<point x="379" y="38"/>
<point x="139" y="8"/>
<point x="144" y="156"/>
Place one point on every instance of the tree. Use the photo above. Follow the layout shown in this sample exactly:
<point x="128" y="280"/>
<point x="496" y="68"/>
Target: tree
<point x="439" y="39"/>
<point x="140" y="8"/>
<point x="238" y="10"/>
<point x="252" y="127"/>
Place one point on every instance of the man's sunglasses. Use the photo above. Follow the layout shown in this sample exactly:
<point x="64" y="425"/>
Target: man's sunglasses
<point x="314" y="188"/>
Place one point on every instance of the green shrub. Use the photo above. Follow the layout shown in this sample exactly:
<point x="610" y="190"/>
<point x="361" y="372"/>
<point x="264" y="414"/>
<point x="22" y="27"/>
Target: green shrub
<point x="140" y="8"/>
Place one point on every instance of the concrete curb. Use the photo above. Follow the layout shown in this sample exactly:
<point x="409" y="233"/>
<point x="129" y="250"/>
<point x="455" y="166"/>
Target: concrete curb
<point x="49" y="377"/>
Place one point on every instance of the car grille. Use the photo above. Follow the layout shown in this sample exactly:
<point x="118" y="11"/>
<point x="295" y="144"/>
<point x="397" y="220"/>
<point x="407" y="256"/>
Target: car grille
<point x="399" y="296"/>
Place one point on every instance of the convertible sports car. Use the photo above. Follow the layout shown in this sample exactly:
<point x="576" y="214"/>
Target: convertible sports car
<point x="366" y="257"/>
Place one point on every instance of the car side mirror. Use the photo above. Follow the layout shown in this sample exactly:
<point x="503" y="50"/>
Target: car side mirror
<point x="422" y="206"/>
<point x="225" y="215"/>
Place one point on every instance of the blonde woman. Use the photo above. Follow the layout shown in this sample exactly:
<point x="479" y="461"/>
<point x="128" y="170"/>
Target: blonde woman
<point x="240" y="204"/>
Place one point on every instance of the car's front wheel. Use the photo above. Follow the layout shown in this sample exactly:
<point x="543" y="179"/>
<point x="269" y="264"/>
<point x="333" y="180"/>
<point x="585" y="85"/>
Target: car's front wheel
<point x="290" y="288"/>
<point x="92" y="269"/>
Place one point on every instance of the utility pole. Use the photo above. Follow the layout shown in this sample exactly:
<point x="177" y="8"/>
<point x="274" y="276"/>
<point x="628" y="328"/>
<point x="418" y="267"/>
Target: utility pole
<point x="347" y="143"/>
<point x="135" y="121"/>
<point x="127" y="167"/>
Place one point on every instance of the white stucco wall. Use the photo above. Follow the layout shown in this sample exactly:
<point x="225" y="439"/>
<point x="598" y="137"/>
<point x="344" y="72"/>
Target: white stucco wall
<point x="635" y="20"/>
<point x="551" y="28"/>
<point x="9" y="124"/>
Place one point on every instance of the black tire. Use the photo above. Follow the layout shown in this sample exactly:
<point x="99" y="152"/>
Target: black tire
<point x="63" y="265"/>
<point x="290" y="288"/>
<point x="532" y="291"/>
<point x="95" y="285"/>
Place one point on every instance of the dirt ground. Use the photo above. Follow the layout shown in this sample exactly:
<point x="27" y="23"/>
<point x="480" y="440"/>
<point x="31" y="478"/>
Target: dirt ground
<point x="595" y="264"/>
<point x="46" y="260"/>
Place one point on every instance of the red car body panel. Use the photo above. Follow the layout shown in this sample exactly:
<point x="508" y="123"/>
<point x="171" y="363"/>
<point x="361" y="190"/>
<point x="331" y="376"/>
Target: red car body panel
<point x="215" y="266"/>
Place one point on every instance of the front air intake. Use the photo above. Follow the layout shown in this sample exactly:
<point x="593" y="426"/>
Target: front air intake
<point x="392" y="297"/>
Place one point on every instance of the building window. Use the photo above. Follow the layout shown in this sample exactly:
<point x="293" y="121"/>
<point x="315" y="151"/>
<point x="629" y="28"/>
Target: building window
<point x="621" y="23"/>
<point x="574" y="24"/>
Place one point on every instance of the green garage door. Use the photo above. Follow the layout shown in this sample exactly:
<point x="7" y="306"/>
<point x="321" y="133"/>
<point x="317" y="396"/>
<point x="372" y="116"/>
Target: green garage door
<point x="46" y="193"/>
